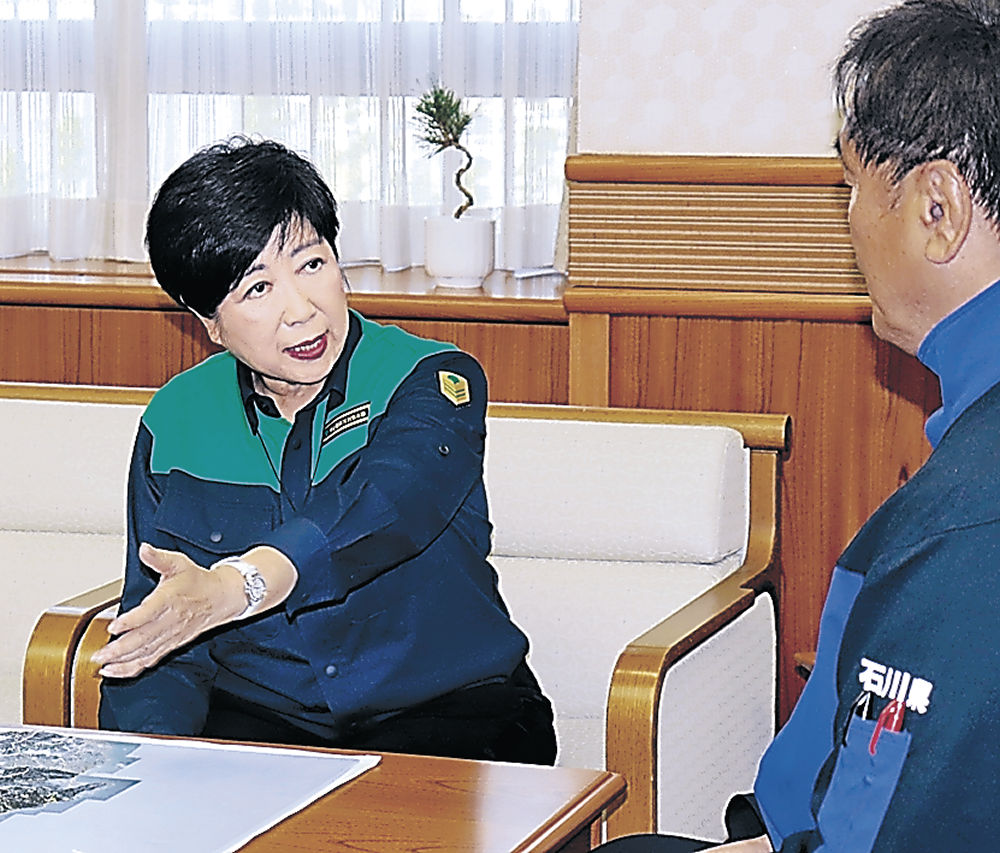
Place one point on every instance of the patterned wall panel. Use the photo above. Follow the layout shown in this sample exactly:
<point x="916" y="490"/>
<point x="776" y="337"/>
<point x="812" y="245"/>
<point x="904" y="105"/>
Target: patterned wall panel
<point x="711" y="76"/>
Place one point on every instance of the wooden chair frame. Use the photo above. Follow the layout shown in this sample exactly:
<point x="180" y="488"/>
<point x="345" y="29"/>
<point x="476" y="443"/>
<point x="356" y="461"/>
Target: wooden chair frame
<point x="637" y="681"/>
<point x="61" y="685"/>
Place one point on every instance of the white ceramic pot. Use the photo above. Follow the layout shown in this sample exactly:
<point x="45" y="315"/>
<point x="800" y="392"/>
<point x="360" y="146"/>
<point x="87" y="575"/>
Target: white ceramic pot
<point x="458" y="252"/>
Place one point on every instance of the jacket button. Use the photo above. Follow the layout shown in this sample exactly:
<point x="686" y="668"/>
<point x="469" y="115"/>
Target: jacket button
<point x="444" y="449"/>
<point x="296" y="443"/>
<point x="215" y="536"/>
<point x="331" y="670"/>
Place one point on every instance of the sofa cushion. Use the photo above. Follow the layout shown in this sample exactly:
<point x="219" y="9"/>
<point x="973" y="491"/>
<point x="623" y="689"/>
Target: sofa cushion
<point x="579" y="616"/>
<point x="65" y="465"/>
<point x="662" y="492"/>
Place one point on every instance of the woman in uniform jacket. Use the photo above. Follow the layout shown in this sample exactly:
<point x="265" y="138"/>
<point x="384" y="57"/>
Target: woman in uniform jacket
<point x="307" y="523"/>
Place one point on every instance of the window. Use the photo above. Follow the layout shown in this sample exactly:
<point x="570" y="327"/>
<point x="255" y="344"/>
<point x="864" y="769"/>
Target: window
<point x="100" y="99"/>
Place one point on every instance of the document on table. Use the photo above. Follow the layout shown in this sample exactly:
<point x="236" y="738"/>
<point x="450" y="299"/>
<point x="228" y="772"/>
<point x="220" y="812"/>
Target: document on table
<point x="77" y="791"/>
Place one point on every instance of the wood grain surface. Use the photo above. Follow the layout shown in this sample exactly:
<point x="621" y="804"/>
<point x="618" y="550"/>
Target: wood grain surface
<point x="412" y="803"/>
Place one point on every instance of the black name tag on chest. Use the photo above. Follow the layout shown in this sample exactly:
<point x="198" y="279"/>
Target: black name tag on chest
<point x="339" y="424"/>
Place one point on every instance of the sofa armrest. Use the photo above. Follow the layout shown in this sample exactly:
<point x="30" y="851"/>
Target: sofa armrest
<point x="805" y="662"/>
<point x="639" y="675"/>
<point x="55" y="653"/>
<point x="86" y="695"/>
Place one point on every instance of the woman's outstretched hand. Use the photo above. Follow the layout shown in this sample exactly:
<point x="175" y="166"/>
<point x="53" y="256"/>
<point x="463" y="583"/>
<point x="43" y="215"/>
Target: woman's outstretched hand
<point x="187" y="601"/>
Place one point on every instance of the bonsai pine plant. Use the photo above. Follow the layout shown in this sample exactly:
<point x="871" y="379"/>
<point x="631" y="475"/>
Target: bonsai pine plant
<point x="441" y="121"/>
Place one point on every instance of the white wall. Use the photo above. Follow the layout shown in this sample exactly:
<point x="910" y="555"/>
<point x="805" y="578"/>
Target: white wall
<point x="711" y="76"/>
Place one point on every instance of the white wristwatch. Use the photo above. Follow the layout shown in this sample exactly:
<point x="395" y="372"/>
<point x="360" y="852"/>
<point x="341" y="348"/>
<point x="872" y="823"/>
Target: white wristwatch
<point x="254" y="585"/>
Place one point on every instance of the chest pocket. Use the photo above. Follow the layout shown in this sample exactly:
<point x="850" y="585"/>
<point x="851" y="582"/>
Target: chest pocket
<point x="861" y="787"/>
<point x="213" y="520"/>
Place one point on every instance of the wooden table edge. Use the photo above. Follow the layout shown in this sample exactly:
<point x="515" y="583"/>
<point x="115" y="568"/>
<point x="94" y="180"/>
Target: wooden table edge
<point x="604" y="794"/>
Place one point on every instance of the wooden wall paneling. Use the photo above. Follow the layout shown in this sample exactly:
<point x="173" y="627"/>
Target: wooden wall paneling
<point x="39" y="344"/>
<point x="97" y="345"/>
<point x="590" y="298"/>
<point x="590" y="359"/>
<point x="524" y="363"/>
<point x="729" y="283"/>
<point x="90" y="323"/>
<point x="145" y="348"/>
<point x="854" y="435"/>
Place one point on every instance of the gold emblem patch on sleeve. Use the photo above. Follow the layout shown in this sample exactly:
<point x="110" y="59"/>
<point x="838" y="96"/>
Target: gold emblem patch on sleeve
<point x="454" y="387"/>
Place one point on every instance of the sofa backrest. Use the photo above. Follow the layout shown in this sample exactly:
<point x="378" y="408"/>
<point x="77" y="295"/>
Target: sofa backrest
<point x="602" y="490"/>
<point x="65" y="464"/>
<point x="679" y="490"/>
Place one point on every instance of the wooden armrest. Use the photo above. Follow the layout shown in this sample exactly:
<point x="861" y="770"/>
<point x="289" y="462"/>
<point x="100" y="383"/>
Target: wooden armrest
<point x="805" y="662"/>
<point x="52" y="653"/>
<point x="637" y="680"/>
<point x="86" y="698"/>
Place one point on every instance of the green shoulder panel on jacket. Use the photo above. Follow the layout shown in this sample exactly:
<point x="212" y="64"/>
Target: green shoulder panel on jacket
<point x="199" y="427"/>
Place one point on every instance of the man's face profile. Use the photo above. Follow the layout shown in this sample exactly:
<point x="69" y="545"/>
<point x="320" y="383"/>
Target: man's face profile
<point x="885" y="249"/>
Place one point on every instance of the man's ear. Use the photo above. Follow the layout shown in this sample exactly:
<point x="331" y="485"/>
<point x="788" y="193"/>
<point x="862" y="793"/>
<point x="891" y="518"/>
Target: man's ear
<point x="945" y="209"/>
<point x="212" y="327"/>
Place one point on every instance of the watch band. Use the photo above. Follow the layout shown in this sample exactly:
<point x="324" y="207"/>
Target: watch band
<point x="254" y="585"/>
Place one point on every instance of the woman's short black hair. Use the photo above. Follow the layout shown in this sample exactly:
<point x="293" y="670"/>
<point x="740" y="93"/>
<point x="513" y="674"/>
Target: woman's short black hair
<point x="217" y="211"/>
<point x="921" y="81"/>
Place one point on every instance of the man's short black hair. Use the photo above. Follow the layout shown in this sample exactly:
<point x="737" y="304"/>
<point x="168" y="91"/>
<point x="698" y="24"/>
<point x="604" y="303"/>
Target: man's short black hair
<point x="217" y="211"/>
<point x="921" y="82"/>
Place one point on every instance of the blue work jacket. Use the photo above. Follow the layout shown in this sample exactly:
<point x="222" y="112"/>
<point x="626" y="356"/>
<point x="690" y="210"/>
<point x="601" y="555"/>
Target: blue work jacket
<point x="375" y="493"/>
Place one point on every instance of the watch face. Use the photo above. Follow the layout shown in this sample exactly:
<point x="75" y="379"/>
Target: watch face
<point x="255" y="588"/>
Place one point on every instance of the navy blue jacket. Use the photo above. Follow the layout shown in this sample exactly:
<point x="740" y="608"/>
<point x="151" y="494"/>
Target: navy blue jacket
<point x="911" y="616"/>
<point x="381" y="506"/>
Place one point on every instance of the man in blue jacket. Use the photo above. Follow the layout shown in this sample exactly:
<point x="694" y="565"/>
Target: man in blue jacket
<point x="891" y="746"/>
<point x="307" y="520"/>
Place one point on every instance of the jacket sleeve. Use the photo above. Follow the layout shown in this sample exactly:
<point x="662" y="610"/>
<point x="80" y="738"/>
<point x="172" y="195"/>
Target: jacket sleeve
<point x="171" y="697"/>
<point x="400" y="492"/>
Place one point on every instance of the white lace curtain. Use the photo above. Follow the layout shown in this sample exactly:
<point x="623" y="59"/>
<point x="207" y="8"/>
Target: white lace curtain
<point x="100" y="99"/>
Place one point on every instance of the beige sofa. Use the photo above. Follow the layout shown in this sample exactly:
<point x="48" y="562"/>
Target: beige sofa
<point x="629" y="545"/>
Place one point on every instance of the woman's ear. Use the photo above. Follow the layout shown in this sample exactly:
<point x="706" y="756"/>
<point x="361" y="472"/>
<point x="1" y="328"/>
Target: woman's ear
<point x="211" y="325"/>
<point x="945" y="209"/>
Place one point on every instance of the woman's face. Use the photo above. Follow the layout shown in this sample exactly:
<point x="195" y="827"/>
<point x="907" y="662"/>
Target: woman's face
<point x="286" y="319"/>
